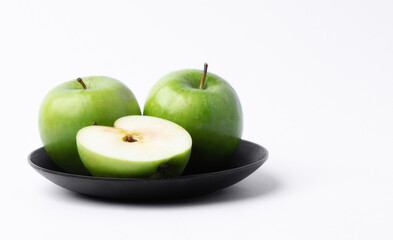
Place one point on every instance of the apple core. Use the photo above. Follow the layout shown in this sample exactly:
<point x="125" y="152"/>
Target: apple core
<point x="129" y="139"/>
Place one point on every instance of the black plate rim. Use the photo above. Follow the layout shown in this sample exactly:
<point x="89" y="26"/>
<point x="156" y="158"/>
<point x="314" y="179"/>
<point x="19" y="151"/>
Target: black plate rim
<point x="180" y="178"/>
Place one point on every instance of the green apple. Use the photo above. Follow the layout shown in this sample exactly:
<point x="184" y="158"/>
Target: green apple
<point x="207" y="107"/>
<point x="76" y="104"/>
<point x="138" y="146"/>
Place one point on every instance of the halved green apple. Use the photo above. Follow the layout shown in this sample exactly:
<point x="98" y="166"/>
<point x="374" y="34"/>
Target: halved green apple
<point x="137" y="146"/>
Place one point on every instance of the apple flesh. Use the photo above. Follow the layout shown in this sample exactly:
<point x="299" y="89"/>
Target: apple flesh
<point x="212" y="115"/>
<point x="138" y="146"/>
<point x="69" y="107"/>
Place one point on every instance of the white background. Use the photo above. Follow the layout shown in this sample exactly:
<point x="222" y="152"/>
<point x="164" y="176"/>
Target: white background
<point x="315" y="79"/>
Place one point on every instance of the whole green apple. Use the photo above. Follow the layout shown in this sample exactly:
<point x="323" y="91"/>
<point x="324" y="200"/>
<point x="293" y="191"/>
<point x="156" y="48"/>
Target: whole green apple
<point x="207" y="107"/>
<point x="137" y="146"/>
<point x="76" y="104"/>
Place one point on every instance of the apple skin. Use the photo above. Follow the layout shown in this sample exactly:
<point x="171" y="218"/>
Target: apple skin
<point x="69" y="107"/>
<point x="103" y="166"/>
<point x="212" y="115"/>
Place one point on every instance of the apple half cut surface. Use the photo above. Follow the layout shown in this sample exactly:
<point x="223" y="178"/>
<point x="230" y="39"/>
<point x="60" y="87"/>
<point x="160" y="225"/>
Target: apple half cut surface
<point x="137" y="146"/>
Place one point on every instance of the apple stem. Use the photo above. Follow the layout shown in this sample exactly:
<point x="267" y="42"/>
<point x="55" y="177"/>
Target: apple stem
<point x="81" y="82"/>
<point x="203" y="77"/>
<point x="95" y="123"/>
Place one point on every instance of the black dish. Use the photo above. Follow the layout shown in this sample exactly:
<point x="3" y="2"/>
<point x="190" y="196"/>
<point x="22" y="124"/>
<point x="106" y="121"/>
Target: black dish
<point x="248" y="158"/>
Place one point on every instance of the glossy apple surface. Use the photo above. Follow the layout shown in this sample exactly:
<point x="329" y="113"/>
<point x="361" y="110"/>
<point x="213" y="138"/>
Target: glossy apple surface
<point x="138" y="146"/>
<point x="69" y="107"/>
<point x="212" y="115"/>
